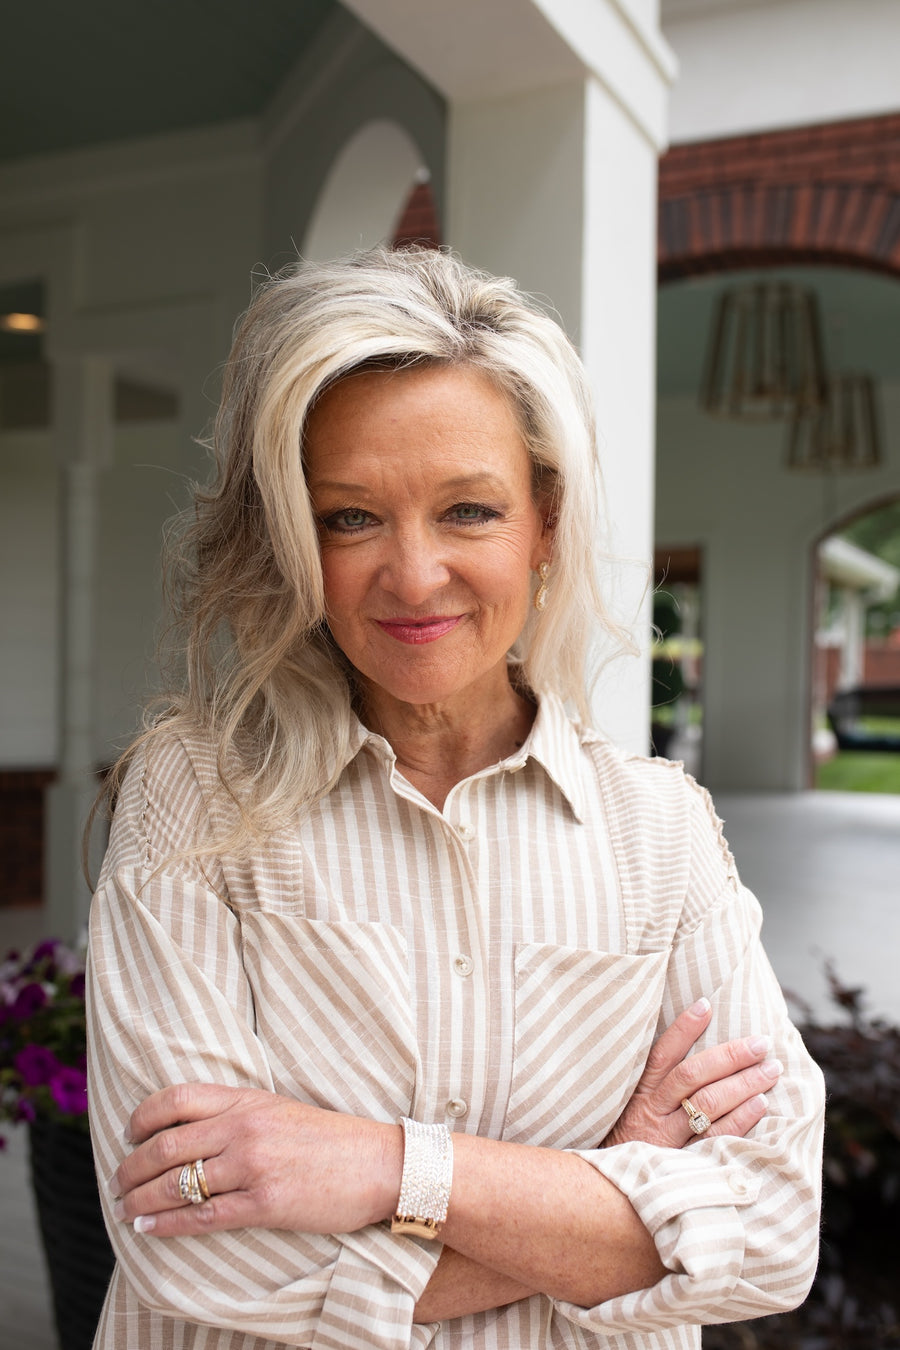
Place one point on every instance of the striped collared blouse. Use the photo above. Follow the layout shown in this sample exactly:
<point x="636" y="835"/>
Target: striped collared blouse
<point x="503" y="965"/>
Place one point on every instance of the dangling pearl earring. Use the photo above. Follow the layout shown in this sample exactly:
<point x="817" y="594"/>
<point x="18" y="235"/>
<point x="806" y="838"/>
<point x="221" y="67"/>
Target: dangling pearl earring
<point x="540" y="595"/>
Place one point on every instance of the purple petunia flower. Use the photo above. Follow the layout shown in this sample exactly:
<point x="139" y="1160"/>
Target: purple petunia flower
<point x="69" y="1088"/>
<point x="25" y="1111"/>
<point x="30" y="999"/>
<point x="76" y="987"/>
<point x="36" y="1064"/>
<point x="46" y="948"/>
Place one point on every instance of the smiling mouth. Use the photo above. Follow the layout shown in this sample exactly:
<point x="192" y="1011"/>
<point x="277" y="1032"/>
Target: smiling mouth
<point x="416" y="631"/>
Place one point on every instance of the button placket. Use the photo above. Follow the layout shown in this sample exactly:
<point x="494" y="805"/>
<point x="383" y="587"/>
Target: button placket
<point x="465" y="961"/>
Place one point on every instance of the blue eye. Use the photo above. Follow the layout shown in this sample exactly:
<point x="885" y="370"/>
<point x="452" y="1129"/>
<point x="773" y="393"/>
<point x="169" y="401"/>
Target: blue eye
<point x="470" y="513"/>
<point x="348" y="521"/>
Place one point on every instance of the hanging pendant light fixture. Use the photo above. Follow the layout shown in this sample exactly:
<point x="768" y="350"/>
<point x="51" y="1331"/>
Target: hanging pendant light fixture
<point x="845" y="433"/>
<point x="765" y="357"/>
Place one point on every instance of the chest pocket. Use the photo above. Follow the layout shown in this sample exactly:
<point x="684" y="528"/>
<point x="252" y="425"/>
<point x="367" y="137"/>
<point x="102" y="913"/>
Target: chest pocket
<point x="585" y="1022"/>
<point x="334" y="1012"/>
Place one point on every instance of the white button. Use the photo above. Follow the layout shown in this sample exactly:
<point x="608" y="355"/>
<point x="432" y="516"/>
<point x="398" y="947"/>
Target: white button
<point x="463" y="965"/>
<point x="739" y="1182"/>
<point x="466" y="831"/>
<point x="457" y="1107"/>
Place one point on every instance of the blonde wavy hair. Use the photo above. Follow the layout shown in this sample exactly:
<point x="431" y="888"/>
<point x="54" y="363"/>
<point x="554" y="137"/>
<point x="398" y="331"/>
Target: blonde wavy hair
<point x="262" y="675"/>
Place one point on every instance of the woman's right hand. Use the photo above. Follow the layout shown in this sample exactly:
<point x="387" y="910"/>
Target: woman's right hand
<point x="728" y="1082"/>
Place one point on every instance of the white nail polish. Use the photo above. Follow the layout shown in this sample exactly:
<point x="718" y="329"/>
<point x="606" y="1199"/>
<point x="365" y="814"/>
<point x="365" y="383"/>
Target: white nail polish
<point x="144" y="1223"/>
<point x="760" y="1045"/>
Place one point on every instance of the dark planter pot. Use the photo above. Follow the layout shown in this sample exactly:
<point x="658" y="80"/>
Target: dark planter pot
<point x="79" y="1258"/>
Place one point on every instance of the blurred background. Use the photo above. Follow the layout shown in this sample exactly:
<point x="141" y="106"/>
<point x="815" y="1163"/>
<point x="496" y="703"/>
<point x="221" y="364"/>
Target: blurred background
<point x="707" y="193"/>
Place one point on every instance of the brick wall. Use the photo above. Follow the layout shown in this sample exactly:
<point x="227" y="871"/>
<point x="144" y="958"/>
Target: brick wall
<point x="419" y="222"/>
<point x="825" y="193"/>
<point x="22" y="835"/>
<point x="881" y="665"/>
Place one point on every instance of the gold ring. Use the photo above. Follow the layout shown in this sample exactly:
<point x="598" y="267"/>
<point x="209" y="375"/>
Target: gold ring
<point x="201" y="1179"/>
<point x="699" y="1121"/>
<point x="186" y="1181"/>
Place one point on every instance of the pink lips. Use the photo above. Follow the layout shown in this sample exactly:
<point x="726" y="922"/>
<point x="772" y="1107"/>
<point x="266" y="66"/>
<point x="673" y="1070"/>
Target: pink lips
<point x="416" y="631"/>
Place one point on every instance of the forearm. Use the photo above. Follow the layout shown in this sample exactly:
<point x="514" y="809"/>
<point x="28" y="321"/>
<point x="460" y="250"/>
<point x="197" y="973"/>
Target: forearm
<point x="460" y="1285"/>
<point x="544" y="1220"/>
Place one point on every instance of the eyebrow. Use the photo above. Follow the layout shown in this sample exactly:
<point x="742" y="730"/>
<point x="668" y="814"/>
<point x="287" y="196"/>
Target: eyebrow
<point x="467" y="481"/>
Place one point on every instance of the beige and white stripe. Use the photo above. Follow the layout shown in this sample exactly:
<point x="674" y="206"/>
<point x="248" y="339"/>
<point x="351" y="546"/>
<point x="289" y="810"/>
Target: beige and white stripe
<point x="504" y="966"/>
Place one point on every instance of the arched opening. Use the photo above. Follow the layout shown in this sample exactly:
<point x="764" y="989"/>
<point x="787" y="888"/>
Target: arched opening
<point x="367" y="191"/>
<point x="856" y="658"/>
<point x="774" y="207"/>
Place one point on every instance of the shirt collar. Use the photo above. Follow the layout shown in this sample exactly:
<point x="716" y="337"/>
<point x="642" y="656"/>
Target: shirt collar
<point x="553" y="742"/>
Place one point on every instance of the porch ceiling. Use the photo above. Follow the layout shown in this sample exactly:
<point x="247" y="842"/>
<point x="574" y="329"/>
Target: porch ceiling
<point x="82" y="74"/>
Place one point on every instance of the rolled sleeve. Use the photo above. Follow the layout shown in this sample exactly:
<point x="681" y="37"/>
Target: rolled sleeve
<point x="169" y="1002"/>
<point x="734" y="1220"/>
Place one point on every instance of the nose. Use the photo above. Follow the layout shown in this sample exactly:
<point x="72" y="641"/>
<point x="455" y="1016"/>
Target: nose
<point x="414" y="567"/>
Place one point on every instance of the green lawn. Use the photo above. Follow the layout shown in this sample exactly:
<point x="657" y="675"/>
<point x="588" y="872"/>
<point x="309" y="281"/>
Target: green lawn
<point x="856" y="771"/>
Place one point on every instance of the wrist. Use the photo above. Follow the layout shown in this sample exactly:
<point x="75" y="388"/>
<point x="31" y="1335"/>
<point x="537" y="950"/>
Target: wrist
<point x="381" y="1170"/>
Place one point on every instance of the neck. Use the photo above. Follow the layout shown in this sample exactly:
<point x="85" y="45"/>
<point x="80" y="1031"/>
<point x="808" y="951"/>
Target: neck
<point x="439" y="744"/>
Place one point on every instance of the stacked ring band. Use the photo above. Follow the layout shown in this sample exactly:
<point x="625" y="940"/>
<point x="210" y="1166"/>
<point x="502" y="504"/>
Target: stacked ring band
<point x="192" y="1183"/>
<point x="699" y="1121"/>
<point x="201" y="1178"/>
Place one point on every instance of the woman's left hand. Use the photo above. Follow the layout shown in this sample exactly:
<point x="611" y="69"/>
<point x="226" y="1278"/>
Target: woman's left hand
<point x="727" y="1082"/>
<point x="269" y="1161"/>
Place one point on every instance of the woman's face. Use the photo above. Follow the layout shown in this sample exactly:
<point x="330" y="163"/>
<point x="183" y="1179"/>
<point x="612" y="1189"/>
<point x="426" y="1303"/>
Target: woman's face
<point x="429" y="530"/>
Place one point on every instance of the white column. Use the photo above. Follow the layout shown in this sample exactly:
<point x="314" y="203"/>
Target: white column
<point x="83" y="430"/>
<point x="618" y="343"/>
<point x="557" y="112"/>
<point x="853" y="623"/>
<point x="557" y="187"/>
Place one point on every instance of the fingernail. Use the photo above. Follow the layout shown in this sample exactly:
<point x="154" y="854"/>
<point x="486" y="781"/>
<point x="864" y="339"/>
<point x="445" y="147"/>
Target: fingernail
<point x="119" y="1210"/>
<point x="127" y="1135"/>
<point x="762" y="1101"/>
<point x="113" y="1186"/>
<point x="701" y="1007"/>
<point x="144" y="1223"/>
<point x="760" y="1045"/>
<point x="773" y="1068"/>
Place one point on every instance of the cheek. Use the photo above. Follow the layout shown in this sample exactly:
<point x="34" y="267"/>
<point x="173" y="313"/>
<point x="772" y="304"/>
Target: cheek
<point x="342" y="582"/>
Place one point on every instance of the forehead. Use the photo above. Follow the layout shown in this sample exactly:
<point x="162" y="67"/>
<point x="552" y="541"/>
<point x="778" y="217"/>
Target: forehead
<point x="434" y="408"/>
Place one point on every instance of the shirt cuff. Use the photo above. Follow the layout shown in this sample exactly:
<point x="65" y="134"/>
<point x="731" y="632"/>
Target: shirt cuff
<point x="372" y="1293"/>
<point x="690" y="1202"/>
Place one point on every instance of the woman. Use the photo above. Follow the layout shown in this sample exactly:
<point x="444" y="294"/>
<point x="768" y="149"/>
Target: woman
<point x="368" y="883"/>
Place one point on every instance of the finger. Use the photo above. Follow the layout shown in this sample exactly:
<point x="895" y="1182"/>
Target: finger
<point x="675" y="1042"/>
<point x="164" y="1192"/>
<point x="178" y="1103"/>
<point x="167" y="1151"/>
<point x="711" y="1066"/>
<point x="233" y="1209"/>
<point x="719" y="1100"/>
<point x="741" y="1120"/>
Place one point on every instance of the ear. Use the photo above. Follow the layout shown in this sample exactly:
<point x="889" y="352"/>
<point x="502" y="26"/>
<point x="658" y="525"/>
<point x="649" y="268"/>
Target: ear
<point x="543" y="550"/>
